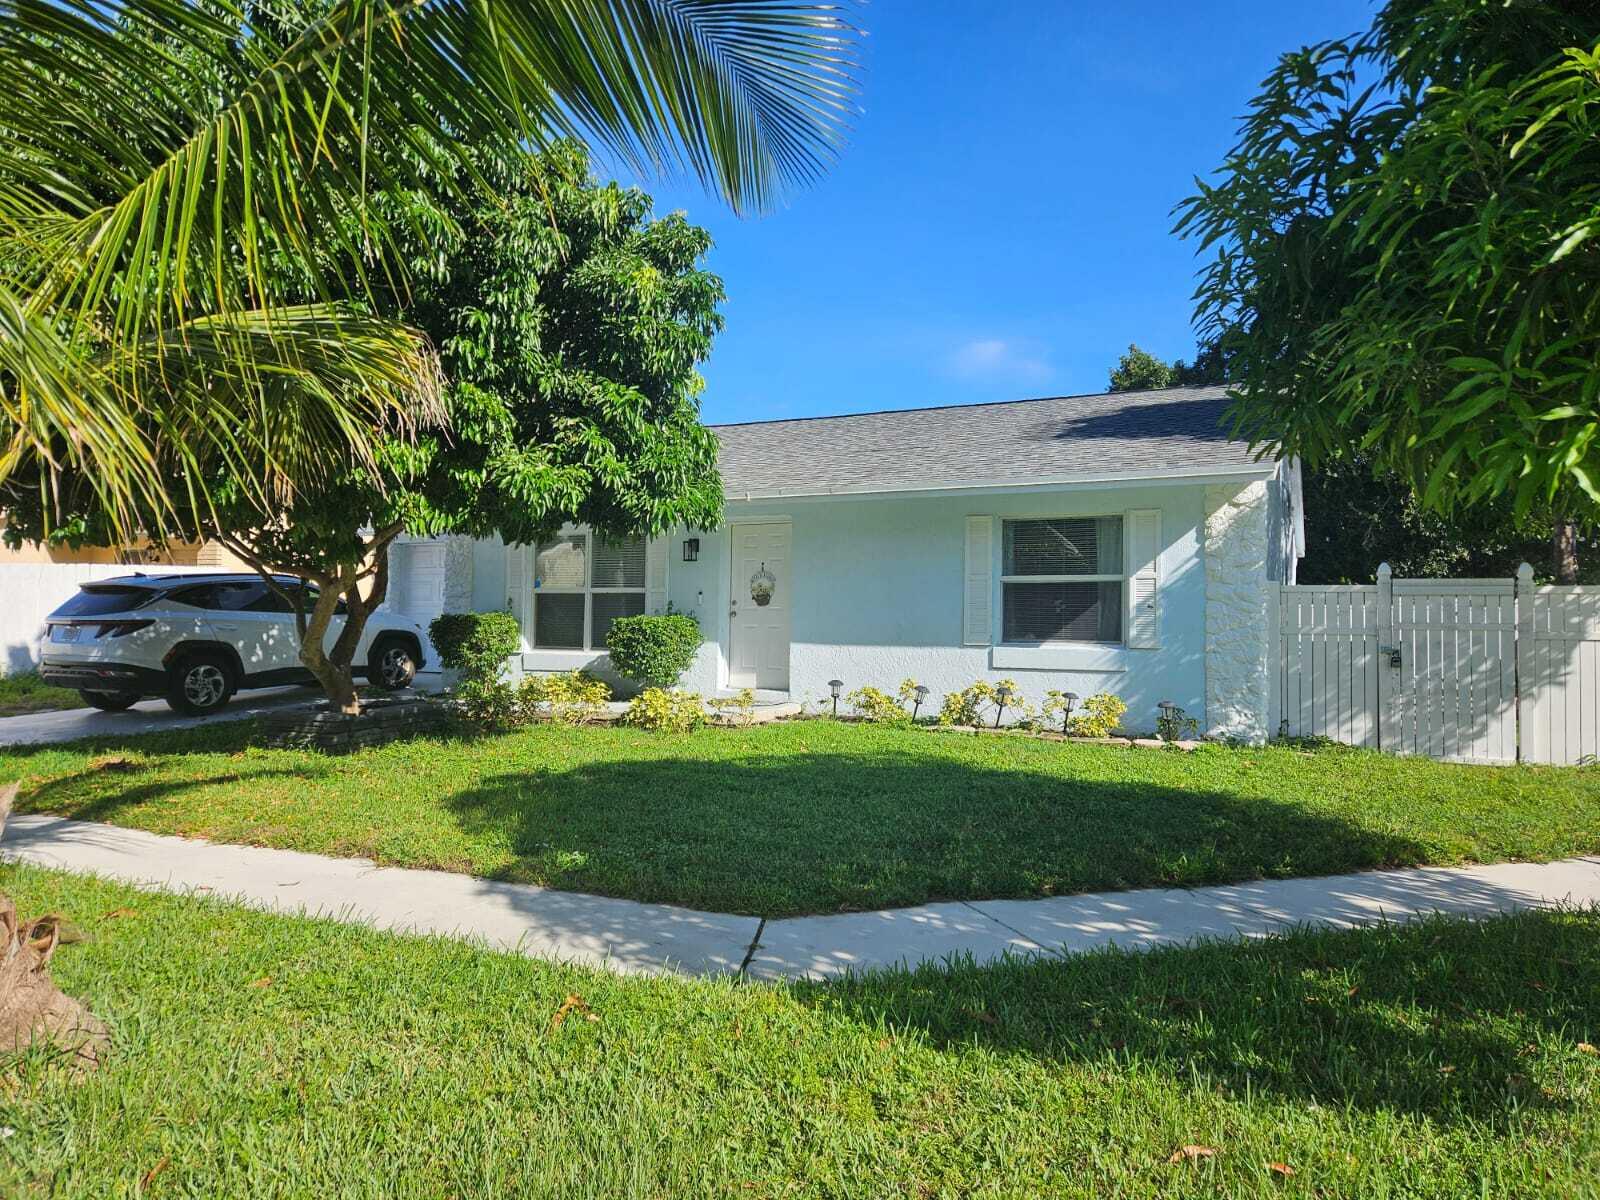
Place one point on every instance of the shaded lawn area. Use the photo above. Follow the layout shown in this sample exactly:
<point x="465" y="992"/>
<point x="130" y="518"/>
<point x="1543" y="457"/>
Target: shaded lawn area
<point x="27" y="693"/>
<point x="819" y="816"/>
<point x="258" y="1055"/>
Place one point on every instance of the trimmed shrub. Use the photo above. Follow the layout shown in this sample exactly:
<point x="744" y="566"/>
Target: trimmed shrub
<point x="665" y="711"/>
<point x="653" y="650"/>
<point x="476" y="644"/>
<point x="877" y="707"/>
<point x="738" y="709"/>
<point x="491" y="703"/>
<point x="567" y="698"/>
<point x="1174" y="725"/>
<point x="1100" y="716"/>
<point x="969" y="706"/>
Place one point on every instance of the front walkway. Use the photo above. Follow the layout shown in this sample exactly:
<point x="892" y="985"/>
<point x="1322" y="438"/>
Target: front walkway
<point x="627" y="936"/>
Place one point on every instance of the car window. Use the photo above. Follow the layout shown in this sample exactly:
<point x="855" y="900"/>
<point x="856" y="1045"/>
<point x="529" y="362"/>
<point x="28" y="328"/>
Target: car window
<point x="270" y="601"/>
<point x="228" y="596"/>
<point x="101" y="600"/>
<point x="195" y="595"/>
<point x="236" y="597"/>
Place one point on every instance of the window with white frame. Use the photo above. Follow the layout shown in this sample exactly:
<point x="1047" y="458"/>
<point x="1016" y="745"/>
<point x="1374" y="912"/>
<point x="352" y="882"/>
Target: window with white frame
<point x="1061" y="580"/>
<point x="582" y="583"/>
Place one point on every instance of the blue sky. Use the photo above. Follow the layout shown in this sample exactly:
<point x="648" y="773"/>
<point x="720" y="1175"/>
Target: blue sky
<point x="999" y="226"/>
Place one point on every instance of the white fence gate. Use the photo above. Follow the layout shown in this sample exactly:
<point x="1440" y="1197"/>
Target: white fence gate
<point x="1559" y="642"/>
<point x="1473" y="670"/>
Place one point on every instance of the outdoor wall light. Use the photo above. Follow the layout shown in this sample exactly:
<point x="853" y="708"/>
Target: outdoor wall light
<point x="1002" y="697"/>
<point x="1068" y="703"/>
<point x="691" y="549"/>
<point x="921" y="693"/>
<point x="834" y="687"/>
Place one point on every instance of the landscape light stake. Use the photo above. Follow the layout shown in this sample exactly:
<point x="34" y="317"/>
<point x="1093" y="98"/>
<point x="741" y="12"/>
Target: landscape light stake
<point x="1068" y="703"/>
<point x="921" y="694"/>
<point x="833" y="686"/>
<point x="1001" y="696"/>
<point x="1166" y="723"/>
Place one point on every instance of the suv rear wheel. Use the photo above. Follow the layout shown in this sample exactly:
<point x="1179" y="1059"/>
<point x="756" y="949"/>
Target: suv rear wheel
<point x="199" y="683"/>
<point x="110" y="701"/>
<point x="392" y="664"/>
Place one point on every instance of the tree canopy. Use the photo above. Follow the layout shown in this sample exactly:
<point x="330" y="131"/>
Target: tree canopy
<point x="1360" y="514"/>
<point x="569" y="323"/>
<point x="198" y="205"/>
<point x="1404" y="264"/>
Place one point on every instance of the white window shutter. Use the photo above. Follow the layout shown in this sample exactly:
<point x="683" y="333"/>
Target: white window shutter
<point x="977" y="618"/>
<point x="655" y="575"/>
<point x="518" y="570"/>
<point x="1144" y="578"/>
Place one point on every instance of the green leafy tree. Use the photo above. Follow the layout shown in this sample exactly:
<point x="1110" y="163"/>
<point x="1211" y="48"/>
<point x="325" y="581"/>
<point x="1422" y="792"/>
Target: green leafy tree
<point x="1359" y="514"/>
<point x="1404" y="261"/>
<point x="569" y="324"/>
<point x="173" y="176"/>
<point x="1139" y="371"/>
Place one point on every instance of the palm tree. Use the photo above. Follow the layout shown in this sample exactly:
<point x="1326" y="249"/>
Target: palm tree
<point x="176" y="177"/>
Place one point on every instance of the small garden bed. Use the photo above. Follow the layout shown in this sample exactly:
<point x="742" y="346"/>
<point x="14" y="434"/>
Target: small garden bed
<point x="819" y="815"/>
<point x="382" y="719"/>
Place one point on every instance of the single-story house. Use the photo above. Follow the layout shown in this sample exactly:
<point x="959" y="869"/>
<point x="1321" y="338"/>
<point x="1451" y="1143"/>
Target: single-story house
<point x="1118" y="542"/>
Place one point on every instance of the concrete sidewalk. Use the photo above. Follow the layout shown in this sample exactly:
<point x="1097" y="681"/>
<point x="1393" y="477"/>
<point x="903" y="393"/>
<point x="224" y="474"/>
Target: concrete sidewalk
<point x="627" y="936"/>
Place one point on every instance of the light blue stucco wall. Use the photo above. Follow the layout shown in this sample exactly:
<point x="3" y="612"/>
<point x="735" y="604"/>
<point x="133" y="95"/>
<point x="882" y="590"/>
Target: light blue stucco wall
<point x="877" y="598"/>
<point x="489" y="575"/>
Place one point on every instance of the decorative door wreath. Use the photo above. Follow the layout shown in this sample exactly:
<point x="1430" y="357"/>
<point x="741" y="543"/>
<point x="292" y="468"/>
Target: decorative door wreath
<point x="762" y="585"/>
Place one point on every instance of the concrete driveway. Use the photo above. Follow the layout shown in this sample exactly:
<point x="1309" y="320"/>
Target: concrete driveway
<point x="148" y="716"/>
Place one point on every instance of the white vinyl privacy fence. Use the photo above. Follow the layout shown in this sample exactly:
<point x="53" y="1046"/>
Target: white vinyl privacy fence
<point x="1474" y="670"/>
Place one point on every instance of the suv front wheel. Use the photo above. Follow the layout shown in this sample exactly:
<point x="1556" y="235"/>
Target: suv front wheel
<point x="392" y="664"/>
<point x="199" y="683"/>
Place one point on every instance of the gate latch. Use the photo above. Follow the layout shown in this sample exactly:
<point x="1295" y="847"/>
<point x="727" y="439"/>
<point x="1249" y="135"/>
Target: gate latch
<point x="1393" y="652"/>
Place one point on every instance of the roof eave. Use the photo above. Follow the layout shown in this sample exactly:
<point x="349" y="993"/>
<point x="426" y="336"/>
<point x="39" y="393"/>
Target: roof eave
<point x="1167" y="478"/>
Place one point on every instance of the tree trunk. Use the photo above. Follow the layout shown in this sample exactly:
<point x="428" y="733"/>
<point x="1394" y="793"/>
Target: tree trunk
<point x="336" y="680"/>
<point x="1564" y="552"/>
<point x="335" y="670"/>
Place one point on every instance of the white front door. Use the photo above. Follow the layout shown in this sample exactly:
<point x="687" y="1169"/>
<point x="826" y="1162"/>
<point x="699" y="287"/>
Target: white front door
<point x="758" y="610"/>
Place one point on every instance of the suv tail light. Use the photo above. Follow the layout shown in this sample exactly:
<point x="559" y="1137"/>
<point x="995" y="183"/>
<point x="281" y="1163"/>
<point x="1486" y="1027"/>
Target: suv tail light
<point x="120" y="628"/>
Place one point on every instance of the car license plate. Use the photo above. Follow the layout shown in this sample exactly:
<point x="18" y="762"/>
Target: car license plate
<point x="63" y="633"/>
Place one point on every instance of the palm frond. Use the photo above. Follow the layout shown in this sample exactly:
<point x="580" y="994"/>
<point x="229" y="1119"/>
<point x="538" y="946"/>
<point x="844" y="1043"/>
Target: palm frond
<point x="165" y="163"/>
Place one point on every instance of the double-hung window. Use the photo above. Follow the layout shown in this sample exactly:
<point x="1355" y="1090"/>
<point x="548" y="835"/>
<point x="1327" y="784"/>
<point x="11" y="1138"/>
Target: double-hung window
<point x="1062" y="580"/>
<point x="582" y="583"/>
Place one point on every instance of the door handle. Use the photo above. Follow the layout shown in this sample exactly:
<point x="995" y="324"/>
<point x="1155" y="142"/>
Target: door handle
<point x="225" y="628"/>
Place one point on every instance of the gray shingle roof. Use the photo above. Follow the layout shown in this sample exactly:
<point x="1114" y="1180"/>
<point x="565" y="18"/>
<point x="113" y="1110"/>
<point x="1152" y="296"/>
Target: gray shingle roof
<point x="1177" y="431"/>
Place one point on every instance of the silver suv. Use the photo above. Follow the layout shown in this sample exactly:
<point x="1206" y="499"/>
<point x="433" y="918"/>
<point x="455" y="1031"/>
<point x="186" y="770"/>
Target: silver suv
<point x="197" y="638"/>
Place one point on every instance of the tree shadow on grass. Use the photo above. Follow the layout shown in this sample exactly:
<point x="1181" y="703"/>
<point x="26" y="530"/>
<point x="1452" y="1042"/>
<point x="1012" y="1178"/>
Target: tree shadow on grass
<point x="1446" y="1019"/>
<point x="775" y="835"/>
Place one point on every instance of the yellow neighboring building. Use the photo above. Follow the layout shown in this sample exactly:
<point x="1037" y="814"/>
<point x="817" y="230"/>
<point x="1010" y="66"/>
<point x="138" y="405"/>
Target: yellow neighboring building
<point x="191" y="554"/>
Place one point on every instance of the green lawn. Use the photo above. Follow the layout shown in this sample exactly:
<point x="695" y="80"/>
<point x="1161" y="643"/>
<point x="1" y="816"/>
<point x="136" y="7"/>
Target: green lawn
<point x="264" y="1056"/>
<point x="27" y="693"/>
<point x="818" y="816"/>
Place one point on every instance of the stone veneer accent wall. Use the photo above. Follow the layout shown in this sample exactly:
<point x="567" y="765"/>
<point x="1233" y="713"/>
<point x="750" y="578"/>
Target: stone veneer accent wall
<point x="1237" y="630"/>
<point x="457" y="574"/>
